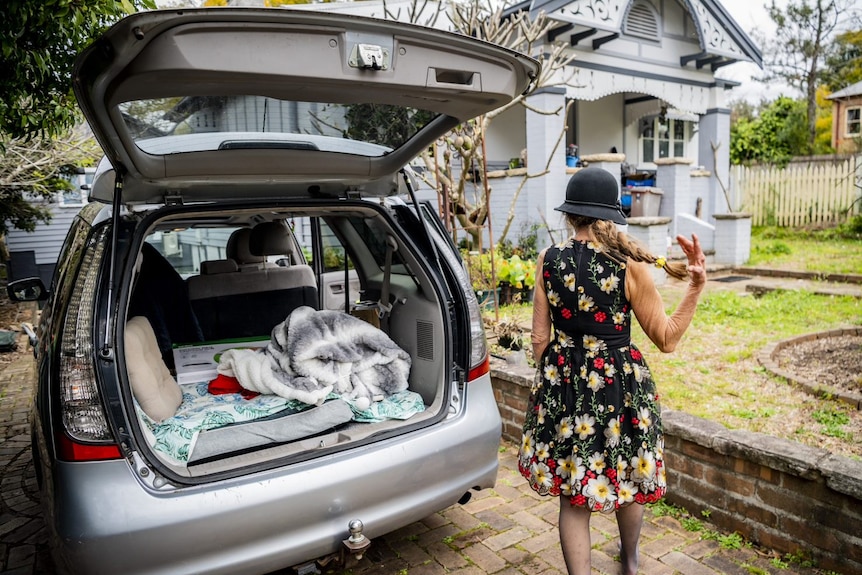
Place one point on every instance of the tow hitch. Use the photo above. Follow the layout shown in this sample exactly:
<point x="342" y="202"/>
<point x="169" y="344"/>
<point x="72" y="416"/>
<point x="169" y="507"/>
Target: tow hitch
<point x="352" y="550"/>
<point x="357" y="544"/>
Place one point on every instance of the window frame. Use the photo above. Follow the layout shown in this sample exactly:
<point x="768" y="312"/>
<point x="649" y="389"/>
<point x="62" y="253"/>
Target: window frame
<point x="857" y="121"/>
<point x="652" y="124"/>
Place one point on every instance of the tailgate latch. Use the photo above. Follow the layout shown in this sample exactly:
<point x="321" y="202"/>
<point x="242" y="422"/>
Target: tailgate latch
<point x="173" y="199"/>
<point x="369" y="57"/>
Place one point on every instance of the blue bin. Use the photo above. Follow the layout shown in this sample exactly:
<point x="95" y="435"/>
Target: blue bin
<point x="626" y="200"/>
<point x="630" y="183"/>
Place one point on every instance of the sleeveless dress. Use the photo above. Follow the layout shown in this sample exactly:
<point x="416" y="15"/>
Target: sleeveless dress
<point x="592" y="431"/>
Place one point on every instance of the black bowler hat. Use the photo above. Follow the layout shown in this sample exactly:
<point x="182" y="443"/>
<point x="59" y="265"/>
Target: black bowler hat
<point x="593" y="192"/>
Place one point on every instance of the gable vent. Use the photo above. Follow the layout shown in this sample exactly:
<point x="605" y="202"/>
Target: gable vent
<point x="642" y="21"/>
<point x="425" y="340"/>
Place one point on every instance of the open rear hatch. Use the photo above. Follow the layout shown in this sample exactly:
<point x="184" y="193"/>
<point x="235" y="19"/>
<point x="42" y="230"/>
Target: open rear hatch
<point x="157" y="89"/>
<point x="227" y="119"/>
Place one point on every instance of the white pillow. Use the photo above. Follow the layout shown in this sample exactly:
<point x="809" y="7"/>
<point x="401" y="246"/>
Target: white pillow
<point x="154" y="388"/>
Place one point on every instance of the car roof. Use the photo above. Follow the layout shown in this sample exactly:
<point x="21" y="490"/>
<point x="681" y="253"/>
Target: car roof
<point x="154" y="71"/>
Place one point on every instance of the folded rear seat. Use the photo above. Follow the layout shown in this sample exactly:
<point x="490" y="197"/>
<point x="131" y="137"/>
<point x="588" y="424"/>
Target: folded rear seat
<point x="250" y="301"/>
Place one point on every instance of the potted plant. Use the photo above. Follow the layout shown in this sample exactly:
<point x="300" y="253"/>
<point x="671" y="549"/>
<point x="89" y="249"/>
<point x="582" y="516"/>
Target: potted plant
<point x="485" y="285"/>
<point x="516" y="278"/>
<point x="510" y="335"/>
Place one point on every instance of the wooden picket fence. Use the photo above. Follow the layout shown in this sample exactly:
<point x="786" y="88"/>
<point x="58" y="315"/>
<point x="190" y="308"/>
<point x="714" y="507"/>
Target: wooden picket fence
<point x="817" y="192"/>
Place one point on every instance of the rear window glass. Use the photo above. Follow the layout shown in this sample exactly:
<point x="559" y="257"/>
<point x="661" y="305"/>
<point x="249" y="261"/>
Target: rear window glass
<point x="185" y="249"/>
<point x="203" y="123"/>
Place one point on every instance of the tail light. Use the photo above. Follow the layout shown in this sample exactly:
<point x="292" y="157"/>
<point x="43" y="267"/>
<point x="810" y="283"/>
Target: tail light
<point x="480" y="363"/>
<point x="479" y="360"/>
<point x="87" y="435"/>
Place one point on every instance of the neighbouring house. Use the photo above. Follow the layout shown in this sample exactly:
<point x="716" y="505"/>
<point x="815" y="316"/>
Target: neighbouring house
<point x="847" y="119"/>
<point x="34" y="254"/>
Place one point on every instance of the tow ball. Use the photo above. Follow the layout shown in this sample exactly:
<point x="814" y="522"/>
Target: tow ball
<point x="357" y="544"/>
<point x="352" y="551"/>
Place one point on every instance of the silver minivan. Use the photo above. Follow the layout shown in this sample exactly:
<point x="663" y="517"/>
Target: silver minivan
<point x="259" y="349"/>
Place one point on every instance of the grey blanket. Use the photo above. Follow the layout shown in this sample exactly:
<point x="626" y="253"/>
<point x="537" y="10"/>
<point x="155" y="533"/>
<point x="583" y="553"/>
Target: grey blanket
<point x="314" y="353"/>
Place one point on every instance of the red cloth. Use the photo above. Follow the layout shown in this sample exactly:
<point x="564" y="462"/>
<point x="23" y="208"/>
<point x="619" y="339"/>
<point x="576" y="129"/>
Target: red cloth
<point x="223" y="384"/>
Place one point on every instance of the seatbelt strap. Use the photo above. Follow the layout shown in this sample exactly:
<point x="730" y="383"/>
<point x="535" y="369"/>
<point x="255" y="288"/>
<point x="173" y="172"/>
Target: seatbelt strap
<point x="383" y="306"/>
<point x="347" y="301"/>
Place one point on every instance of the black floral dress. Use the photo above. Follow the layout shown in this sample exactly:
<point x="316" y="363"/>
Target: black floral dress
<point x="593" y="427"/>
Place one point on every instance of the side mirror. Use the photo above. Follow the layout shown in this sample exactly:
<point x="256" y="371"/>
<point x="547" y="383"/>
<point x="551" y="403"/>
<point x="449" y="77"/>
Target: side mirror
<point x="27" y="289"/>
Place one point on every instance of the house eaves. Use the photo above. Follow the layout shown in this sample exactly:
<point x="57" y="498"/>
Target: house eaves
<point x="721" y="39"/>
<point x="849" y="91"/>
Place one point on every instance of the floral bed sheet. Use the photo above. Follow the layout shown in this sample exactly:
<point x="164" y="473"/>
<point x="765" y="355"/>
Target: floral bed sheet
<point x="200" y="410"/>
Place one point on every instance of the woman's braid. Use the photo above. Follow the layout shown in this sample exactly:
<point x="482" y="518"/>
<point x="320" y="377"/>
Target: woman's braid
<point x="621" y="247"/>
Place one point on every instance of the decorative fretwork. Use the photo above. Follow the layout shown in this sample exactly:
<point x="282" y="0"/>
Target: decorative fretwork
<point x="604" y="14"/>
<point x="714" y="37"/>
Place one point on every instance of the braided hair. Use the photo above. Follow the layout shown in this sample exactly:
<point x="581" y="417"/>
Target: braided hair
<point x="621" y="247"/>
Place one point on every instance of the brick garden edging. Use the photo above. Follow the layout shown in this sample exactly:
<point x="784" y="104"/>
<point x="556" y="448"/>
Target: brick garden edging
<point x="766" y="358"/>
<point x="776" y="493"/>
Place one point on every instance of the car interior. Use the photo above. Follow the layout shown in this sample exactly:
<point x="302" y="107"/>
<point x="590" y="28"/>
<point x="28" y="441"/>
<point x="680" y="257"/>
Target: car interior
<point x="226" y="303"/>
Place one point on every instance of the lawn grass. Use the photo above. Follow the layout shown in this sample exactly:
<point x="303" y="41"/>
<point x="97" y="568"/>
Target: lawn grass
<point x="714" y="373"/>
<point x="830" y="251"/>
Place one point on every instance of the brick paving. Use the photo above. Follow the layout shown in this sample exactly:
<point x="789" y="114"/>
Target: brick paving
<point x="512" y="531"/>
<point x="508" y="530"/>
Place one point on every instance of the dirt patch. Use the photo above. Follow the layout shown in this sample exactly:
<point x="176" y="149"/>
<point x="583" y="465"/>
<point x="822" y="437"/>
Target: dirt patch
<point x="834" y="361"/>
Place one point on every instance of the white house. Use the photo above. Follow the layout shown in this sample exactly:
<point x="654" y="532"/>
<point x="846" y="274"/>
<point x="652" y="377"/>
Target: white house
<point x="645" y="86"/>
<point x="645" y="99"/>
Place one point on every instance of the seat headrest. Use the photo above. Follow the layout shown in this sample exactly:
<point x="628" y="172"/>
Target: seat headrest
<point x="212" y="267"/>
<point x="238" y="248"/>
<point x="271" y="238"/>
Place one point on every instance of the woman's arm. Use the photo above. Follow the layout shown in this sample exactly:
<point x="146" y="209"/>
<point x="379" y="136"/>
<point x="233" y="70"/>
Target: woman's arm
<point x="663" y="330"/>
<point x="541" y="330"/>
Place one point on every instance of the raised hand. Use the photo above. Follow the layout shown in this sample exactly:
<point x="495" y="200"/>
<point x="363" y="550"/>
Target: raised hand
<point x="696" y="259"/>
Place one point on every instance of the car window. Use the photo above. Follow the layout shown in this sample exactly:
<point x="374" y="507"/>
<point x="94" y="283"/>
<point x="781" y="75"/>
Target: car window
<point x="374" y="239"/>
<point x="201" y="123"/>
<point x="81" y="183"/>
<point x="70" y="257"/>
<point x="331" y="246"/>
<point x="185" y="249"/>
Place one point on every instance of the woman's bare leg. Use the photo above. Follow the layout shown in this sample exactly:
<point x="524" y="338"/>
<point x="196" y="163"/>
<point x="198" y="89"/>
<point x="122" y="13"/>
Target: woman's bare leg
<point x="630" y="519"/>
<point x="575" y="537"/>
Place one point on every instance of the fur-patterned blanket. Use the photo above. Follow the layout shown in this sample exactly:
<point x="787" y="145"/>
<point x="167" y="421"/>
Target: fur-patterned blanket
<point x="314" y="353"/>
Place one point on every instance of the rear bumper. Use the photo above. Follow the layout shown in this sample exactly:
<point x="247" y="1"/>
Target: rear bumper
<point x="104" y="521"/>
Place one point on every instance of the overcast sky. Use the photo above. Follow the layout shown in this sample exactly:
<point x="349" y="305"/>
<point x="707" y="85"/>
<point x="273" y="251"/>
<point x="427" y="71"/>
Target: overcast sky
<point x="751" y="14"/>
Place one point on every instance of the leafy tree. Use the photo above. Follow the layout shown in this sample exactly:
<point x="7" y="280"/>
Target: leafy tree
<point x="775" y="135"/>
<point x="796" y="52"/>
<point x="823" y="124"/>
<point x="744" y="110"/>
<point x="844" y="62"/>
<point x="33" y="171"/>
<point x="39" y="42"/>
<point x="384" y="124"/>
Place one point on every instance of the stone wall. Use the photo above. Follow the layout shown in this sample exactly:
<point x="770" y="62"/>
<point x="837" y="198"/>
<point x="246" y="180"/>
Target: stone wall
<point x="779" y="494"/>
